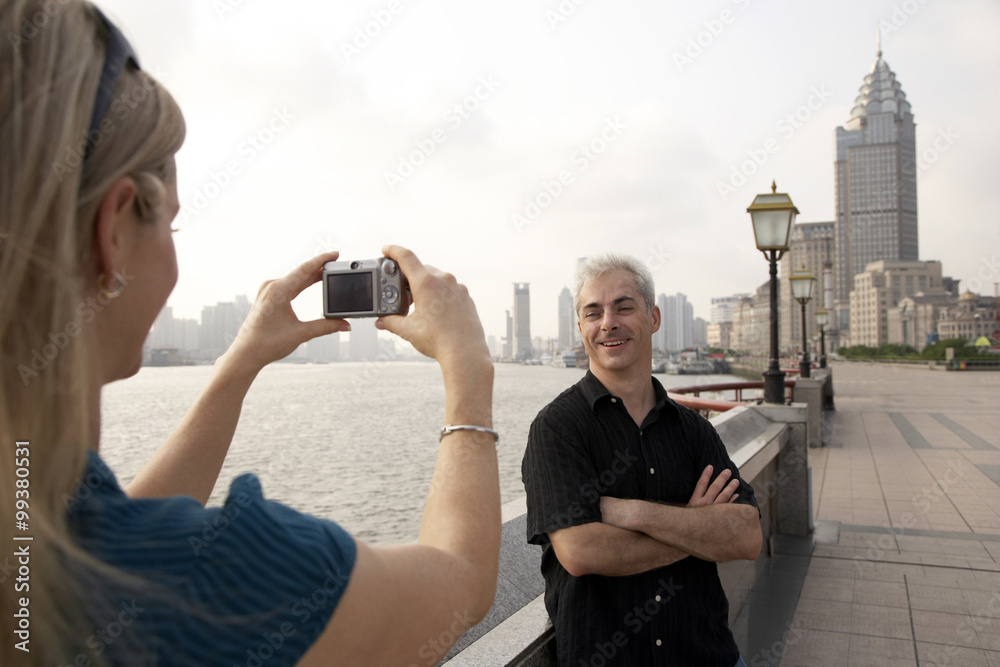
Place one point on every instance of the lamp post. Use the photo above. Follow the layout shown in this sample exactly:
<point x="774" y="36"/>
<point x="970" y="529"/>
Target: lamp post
<point x="772" y="216"/>
<point x="822" y="319"/>
<point x="802" y="289"/>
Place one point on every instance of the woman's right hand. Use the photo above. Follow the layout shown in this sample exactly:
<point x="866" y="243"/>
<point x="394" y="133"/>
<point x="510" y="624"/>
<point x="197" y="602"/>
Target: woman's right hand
<point x="444" y="323"/>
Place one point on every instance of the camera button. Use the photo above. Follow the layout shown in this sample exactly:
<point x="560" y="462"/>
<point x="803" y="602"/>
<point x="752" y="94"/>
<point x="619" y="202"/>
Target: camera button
<point x="389" y="267"/>
<point x="390" y="294"/>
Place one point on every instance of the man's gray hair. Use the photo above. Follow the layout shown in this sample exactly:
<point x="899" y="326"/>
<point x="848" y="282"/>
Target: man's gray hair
<point x="595" y="267"/>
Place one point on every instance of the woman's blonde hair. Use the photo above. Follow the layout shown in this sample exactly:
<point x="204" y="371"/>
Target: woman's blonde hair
<point x="51" y="58"/>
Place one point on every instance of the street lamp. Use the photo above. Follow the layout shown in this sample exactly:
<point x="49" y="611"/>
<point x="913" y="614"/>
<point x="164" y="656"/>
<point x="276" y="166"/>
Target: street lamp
<point x="822" y="319"/>
<point x="802" y="289"/>
<point x="772" y="217"/>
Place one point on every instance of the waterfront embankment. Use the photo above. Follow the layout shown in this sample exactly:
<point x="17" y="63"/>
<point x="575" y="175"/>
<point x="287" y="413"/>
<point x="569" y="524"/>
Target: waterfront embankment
<point x="904" y="565"/>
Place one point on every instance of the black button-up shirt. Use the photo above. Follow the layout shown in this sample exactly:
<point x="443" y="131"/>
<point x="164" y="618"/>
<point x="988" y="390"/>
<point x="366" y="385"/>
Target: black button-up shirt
<point x="585" y="445"/>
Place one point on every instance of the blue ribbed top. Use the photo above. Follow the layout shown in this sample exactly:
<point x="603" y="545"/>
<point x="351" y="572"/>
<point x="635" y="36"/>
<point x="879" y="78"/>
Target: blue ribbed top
<point x="252" y="582"/>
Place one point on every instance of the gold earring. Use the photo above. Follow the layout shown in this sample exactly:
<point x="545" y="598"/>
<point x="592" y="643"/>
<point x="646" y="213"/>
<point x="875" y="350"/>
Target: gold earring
<point x="114" y="287"/>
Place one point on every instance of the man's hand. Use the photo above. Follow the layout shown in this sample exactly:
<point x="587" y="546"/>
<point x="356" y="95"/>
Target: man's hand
<point x="722" y="490"/>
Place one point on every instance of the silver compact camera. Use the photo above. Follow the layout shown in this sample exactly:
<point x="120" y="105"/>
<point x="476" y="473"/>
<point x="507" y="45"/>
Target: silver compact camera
<point x="364" y="288"/>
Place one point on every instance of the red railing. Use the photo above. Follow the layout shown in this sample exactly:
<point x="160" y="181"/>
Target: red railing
<point x="691" y="396"/>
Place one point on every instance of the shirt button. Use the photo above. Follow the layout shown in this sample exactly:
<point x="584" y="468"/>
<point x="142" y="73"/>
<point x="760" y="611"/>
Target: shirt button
<point x="652" y="471"/>
<point x="659" y="642"/>
<point x="614" y="400"/>
<point x="657" y="598"/>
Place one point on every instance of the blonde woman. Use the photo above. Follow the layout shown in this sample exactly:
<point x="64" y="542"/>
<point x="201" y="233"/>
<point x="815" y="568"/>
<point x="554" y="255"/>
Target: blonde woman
<point x="87" y="195"/>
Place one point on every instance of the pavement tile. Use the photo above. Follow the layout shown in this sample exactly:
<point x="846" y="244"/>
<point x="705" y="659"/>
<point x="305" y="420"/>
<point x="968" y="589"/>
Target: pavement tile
<point x="883" y="593"/>
<point x="823" y="615"/>
<point x="950" y="655"/>
<point x="869" y="651"/>
<point x="941" y="628"/>
<point x="840" y="589"/>
<point x="938" y="598"/>
<point x="879" y="621"/>
<point x="817" y="648"/>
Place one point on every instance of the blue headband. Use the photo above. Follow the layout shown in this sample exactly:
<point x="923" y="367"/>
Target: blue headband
<point x="118" y="53"/>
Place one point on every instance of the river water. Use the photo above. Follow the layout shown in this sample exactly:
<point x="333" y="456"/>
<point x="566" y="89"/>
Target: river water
<point x="351" y="442"/>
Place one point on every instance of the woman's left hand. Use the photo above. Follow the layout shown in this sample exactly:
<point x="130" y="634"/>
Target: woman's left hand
<point x="272" y="331"/>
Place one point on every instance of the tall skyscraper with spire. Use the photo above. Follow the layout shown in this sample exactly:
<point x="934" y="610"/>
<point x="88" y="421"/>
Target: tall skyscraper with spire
<point x="876" y="183"/>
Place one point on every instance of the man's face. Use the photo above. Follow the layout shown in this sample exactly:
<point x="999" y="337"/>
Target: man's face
<point x="615" y="324"/>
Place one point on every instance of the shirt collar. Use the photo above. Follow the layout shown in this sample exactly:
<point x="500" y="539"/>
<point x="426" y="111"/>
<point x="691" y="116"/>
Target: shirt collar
<point x="593" y="391"/>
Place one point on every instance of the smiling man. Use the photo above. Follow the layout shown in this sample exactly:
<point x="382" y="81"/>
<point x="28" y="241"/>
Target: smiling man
<point x="633" y="497"/>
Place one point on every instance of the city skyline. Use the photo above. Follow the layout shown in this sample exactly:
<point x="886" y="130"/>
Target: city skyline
<point x="630" y="127"/>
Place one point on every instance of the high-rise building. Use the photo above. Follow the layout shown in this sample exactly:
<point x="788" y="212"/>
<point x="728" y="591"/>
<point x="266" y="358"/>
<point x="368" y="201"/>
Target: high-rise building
<point x="522" y="321"/>
<point x="220" y="324"/>
<point x="567" y="320"/>
<point x="363" y="340"/>
<point x="660" y="336"/>
<point x="876" y="184"/>
<point x="508" y="340"/>
<point x="677" y="321"/>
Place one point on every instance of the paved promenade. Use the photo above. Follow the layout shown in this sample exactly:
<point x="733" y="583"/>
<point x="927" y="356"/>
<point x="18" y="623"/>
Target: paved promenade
<point x="904" y="568"/>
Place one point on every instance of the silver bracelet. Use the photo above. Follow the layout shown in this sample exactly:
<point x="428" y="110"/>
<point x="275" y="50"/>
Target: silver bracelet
<point x="448" y="428"/>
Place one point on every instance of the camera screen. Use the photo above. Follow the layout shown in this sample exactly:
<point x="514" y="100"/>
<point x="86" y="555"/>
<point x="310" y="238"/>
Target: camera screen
<point x="349" y="292"/>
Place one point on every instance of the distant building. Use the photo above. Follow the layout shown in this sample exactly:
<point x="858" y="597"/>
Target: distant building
<point x="522" y="321"/>
<point x="324" y="348"/>
<point x="880" y="288"/>
<point x="914" y="320"/>
<point x="677" y="321"/>
<point x="751" y="332"/>
<point x="876" y="187"/>
<point x="219" y="326"/>
<point x="508" y="340"/>
<point x="722" y="308"/>
<point x="363" y="340"/>
<point x="720" y="334"/>
<point x="699" y="332"/>
<point x="567" y="320"/>
<point x="811" y="246"/>
<point x="973" y="316"/>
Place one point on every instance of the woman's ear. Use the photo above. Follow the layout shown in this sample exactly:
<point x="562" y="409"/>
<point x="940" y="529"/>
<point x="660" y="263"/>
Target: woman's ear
<point x="115" y="226"/>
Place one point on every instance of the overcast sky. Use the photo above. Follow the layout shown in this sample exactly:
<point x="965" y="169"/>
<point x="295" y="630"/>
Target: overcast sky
<point x="437" y="124"/>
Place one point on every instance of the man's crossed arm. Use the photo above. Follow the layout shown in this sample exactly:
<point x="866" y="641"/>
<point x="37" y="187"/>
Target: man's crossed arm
<point x="638" y="535"/>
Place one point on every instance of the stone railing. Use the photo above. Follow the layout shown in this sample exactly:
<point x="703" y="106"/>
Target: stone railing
<point x="769" y="444"/>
